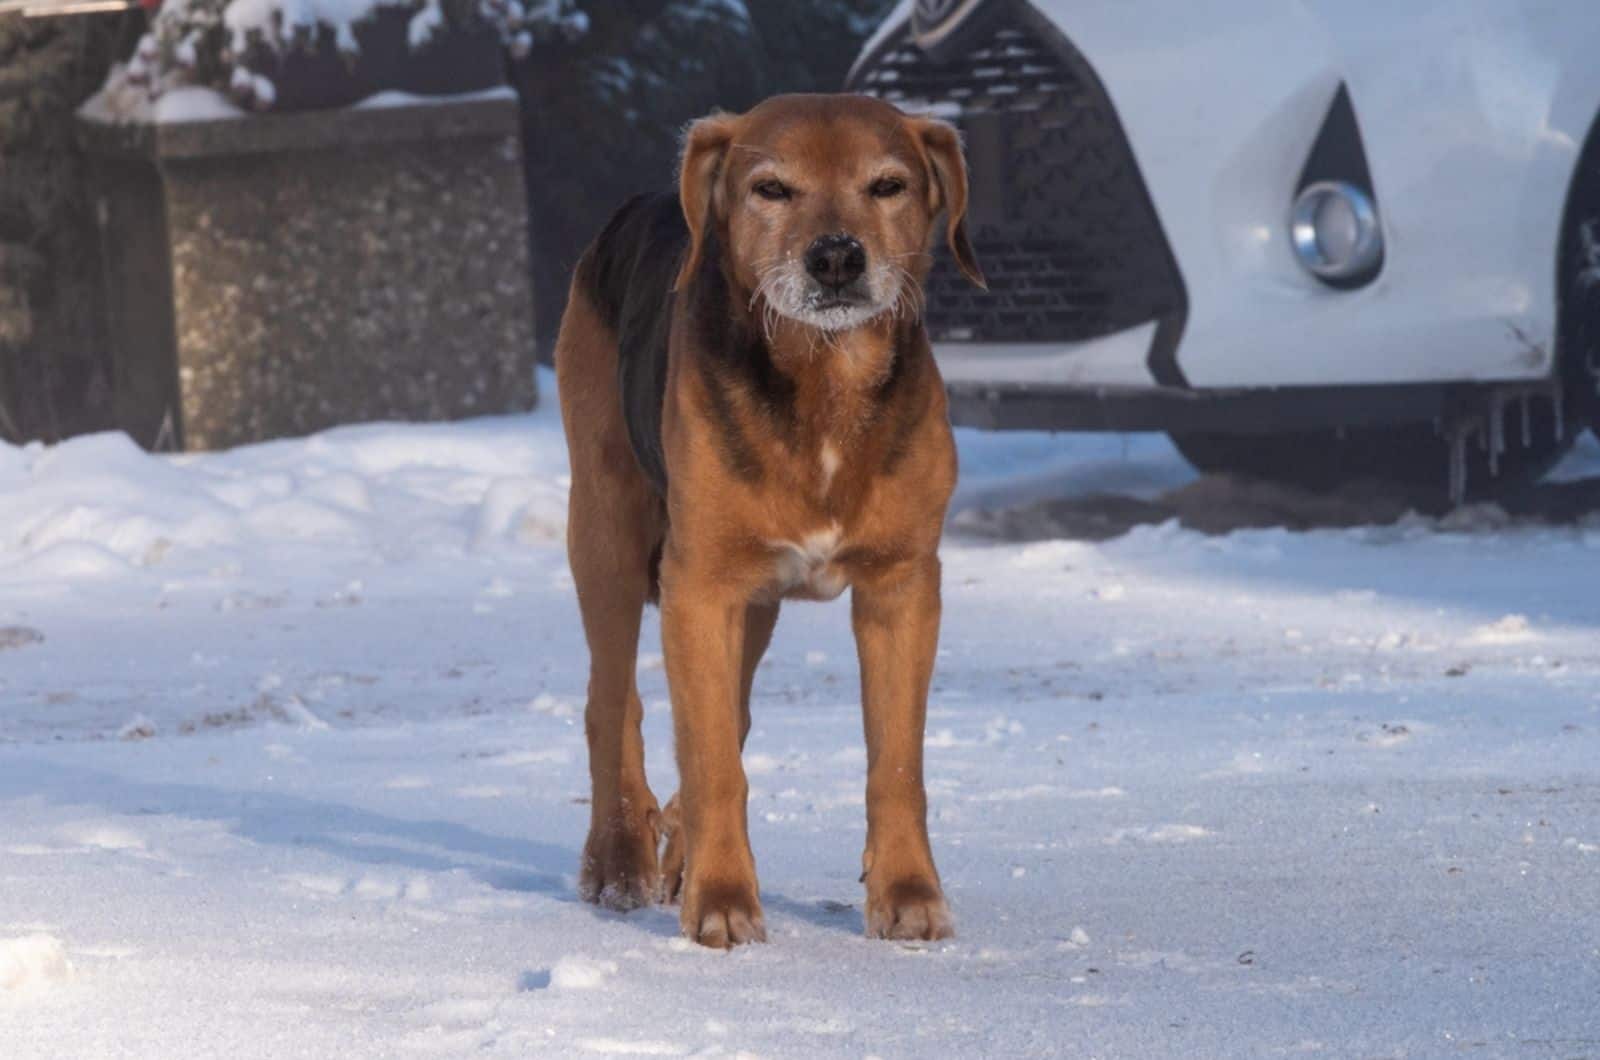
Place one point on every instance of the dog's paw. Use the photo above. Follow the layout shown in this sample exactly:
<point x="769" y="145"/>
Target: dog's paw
<point x="722" y="914"/>
<point x="911" y="908"/>
<point x="673" y="857"/>
<point x="619" y="869"/>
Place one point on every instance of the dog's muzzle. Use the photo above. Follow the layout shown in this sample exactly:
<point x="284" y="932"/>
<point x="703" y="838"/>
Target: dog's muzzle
<point x="831" y="285"/>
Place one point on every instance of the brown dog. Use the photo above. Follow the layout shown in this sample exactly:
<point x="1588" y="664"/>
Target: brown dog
<point x="753" y="413"/>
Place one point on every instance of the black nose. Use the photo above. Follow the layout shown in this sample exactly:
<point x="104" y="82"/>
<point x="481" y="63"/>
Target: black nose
<point x="834" y="261"/>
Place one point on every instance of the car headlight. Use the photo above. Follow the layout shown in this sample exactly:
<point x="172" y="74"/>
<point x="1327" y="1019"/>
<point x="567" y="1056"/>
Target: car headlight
<point x="1335" y="231"/>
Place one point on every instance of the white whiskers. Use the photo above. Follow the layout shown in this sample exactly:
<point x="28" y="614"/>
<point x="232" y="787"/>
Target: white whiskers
<point x="785" y="291"/>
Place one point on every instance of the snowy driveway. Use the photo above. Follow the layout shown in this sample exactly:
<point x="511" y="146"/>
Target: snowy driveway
<point x="291" y="764"/>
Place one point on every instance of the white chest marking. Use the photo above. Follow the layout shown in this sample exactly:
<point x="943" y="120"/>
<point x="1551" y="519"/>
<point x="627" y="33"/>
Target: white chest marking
<point x="807" y="566"/>
<point x="829" y="459"/>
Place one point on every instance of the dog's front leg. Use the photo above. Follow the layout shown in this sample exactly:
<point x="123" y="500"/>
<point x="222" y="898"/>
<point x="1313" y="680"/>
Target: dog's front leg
<point x="896" y="617"/>
<point x="702" y="632"/>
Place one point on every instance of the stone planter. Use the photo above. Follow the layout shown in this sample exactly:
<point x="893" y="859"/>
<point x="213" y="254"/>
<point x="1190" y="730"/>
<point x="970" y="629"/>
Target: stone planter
<point x="278" y="274"/>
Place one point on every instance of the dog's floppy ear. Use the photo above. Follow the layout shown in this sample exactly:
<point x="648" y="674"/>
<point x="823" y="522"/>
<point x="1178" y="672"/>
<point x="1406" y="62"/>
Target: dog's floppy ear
<point x="942" y="143"/>
<point x="705" y="148"/>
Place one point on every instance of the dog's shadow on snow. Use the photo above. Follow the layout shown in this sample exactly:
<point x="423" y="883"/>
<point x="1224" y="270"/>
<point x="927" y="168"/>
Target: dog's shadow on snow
<point x="367" y="837"/>
<point x="348" y="832"/>
<point x="662" y="920"/>
<point x="827" y="915"/>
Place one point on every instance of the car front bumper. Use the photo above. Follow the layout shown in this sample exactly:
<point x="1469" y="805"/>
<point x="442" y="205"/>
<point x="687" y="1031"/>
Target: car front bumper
<point x="1132" y="182"/>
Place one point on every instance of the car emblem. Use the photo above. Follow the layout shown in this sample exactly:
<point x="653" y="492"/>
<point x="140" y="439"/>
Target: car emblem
<point x="933" y="12"/>
<point x="932" y="21"/>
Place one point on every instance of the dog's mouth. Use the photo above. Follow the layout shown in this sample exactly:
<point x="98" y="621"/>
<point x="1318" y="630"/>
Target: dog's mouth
<point x="854" y="297"/>
<point x="835" y="310"/>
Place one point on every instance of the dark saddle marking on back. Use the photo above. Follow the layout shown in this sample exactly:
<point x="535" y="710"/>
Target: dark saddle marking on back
<point x="629" y="274"/>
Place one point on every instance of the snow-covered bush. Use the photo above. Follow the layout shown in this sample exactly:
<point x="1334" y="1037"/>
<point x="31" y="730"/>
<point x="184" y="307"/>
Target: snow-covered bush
<point x="233" y="46"/>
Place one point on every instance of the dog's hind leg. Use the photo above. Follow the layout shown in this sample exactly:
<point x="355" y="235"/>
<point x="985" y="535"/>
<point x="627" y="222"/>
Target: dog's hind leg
<point x="759" y="620"/>
<point x="615" y="522"/>
<point x="619" y="868"/>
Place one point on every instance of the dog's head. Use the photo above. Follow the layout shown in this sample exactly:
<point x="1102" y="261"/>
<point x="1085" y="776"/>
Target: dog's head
<point x="823" y="206"/>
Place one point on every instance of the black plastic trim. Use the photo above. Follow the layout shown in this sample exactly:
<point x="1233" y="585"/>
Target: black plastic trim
<point x="1338" y="154"/>
<point x="1577" y="285"/>
<point x="1264" y="410"/>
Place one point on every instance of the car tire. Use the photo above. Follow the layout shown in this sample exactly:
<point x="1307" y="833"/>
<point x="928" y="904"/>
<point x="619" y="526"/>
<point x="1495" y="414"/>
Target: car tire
<point x="1579" y="272"/>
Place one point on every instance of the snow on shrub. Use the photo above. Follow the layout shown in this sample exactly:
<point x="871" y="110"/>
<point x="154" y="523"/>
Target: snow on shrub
<point x="224" y="45"/>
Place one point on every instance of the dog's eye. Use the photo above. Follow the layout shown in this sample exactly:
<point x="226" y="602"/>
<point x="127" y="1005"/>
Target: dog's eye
<point x="772" y="189"/>
<point x="886" y="188"/>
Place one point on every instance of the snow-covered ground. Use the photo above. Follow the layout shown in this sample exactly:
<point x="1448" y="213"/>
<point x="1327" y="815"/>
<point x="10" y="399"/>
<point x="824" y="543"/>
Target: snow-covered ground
<point x="291" y="764"/>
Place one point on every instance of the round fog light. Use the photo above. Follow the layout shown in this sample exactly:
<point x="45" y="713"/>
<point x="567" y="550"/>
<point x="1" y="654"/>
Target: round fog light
<point x="1334" y="228"/>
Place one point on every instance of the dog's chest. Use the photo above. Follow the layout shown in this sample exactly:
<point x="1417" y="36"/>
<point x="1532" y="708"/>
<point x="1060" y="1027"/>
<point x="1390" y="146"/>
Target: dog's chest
<point x="809" y="567"/>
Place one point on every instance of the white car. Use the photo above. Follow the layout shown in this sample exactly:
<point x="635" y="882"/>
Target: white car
<point x="1311" y="239"/>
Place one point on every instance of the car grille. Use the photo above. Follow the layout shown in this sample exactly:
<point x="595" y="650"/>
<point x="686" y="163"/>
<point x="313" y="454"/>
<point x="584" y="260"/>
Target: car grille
<point x="1059" y="215"/>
